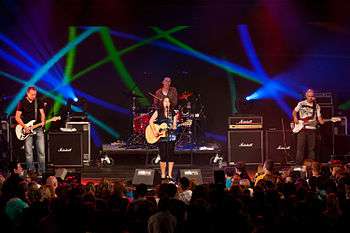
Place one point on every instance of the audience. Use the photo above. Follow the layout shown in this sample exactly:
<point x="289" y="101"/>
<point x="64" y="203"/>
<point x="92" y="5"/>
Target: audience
<point x="185" y="193"/>
<point x="315" y="199"/>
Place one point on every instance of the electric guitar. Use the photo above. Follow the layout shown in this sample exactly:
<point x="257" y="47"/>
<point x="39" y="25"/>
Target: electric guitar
<point x="296" y="128"/>
<point x="21" y="135"/>
<point x="162" y="131"/>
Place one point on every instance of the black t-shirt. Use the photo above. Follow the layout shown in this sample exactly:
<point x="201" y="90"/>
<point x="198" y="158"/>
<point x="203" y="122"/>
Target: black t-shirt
<point x="28" y="110"/>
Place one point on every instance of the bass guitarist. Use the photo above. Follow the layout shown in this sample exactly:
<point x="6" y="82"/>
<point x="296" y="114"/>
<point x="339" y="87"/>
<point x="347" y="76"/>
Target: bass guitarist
<point x="309" y="112"/>
<point x="31" y="109"/>
<point x="167" y="136"/>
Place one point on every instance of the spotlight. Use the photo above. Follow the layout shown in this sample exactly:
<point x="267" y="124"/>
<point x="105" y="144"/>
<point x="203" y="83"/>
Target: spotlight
<point x="248" y="98"/>
<point x="75" y="99"/>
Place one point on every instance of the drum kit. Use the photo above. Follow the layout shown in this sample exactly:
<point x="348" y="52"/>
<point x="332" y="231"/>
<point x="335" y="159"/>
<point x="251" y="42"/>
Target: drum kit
<point x="186" y="114"/>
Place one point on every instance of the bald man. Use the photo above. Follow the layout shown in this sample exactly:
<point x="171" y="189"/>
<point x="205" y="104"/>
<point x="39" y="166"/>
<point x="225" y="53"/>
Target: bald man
<point x="310" y="113"/>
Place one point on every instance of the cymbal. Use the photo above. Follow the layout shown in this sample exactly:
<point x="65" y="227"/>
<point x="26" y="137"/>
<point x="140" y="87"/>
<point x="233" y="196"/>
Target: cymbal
<point x="131" y="94"/>
<point x="184" y="95"/>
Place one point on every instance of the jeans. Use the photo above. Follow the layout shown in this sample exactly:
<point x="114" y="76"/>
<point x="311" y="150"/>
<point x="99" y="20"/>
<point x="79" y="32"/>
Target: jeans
<point x="306" y="137"/>
<point x="39" y="139"/>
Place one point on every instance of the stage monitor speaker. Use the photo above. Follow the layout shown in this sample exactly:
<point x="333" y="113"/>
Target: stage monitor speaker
<point x="279" y="147"/>
<point x="61" y="173"/>
<point x="65" y="149"/>
<point x="194" y="175"/>
<point x="144" y="176"/>
<point x="245" y="146"/>
<point x="84" y="128"/>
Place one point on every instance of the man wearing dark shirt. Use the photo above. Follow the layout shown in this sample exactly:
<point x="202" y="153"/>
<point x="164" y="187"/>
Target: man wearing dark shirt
<point x="165" y="91"/>
<point x="31" y="109"/>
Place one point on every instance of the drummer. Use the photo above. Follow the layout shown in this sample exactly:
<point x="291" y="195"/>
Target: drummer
<point x="165" y="91"/>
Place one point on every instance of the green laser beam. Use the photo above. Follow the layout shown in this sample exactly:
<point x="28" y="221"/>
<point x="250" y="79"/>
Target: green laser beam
<point x="243" y="73"/>
<point x="72" y="32"/>
<point x="91" y="68"/>
<point x="123" y="51"/>
<point x="120" y="67"/>
<point x="344" y="106"/>
<point x="126" y="50"/>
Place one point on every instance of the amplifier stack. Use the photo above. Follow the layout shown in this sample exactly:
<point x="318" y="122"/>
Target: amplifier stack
<point x="245" y="139"/>
<point x="248" y="142"/>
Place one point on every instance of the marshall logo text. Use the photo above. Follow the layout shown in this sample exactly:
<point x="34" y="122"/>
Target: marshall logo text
<point x="245" y="122"/>
<point x="243" y="144"/>
<point x="283" y="147"/>
<point x="64" y="149"/>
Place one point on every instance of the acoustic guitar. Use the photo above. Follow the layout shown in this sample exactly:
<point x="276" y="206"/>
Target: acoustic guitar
<point x="162" y="130"/>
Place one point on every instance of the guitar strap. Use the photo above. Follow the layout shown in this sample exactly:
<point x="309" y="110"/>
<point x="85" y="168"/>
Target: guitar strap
<point x="314" y="110"/>
<point x="36" y="109"/>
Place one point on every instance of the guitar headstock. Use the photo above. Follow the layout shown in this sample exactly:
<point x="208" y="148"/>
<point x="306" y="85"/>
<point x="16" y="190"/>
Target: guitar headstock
<point x="56" y="118"/>
<point x="335" y="119"/>
<point x="186" y="123"/>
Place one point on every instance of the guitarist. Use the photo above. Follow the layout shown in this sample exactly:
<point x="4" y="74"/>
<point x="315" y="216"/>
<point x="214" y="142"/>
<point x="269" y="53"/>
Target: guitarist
<point x="310" y="113"/>
<point x="31" y="109"/>
<point x="166" y="143"/>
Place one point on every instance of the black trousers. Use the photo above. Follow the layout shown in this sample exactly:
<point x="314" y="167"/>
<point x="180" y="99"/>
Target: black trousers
<point x="306" y="138"/>
<point x="166" y="151"/>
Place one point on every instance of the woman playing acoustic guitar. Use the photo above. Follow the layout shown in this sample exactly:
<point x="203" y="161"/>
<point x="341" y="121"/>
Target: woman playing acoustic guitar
<point x="167" y="119"/>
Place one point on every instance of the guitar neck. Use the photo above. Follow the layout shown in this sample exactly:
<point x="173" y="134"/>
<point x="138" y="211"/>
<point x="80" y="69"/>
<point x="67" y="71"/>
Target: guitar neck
<point x="39" y="124"/>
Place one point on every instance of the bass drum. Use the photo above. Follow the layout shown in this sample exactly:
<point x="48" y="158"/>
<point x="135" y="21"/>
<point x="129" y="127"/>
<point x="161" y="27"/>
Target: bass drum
<point x="140" y="123"/>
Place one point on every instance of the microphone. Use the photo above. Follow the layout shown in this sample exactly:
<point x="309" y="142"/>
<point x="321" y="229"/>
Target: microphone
<point x="167" y="109"/>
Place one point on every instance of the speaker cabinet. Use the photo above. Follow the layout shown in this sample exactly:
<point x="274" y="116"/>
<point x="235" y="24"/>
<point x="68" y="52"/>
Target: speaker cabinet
<point x="245" y="146"/>
<point x="84" y="129"/>
<point x="16" y="146"/>
<point x="280" y="146"/>
<point x="4" y="140"/>
<point x="5" y="131"/>
<point x="194" y="175"/>
<point x="65" y="149"/>
<point x="342" y="144"/>
<point x="144" y="176"/>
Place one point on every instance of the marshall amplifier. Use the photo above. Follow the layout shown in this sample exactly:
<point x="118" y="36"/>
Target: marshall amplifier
<point x="280" y="147"/>
<point x="324" y="98"/>
<point x="84" y="128"/>
<point x="245" y="122"/>
<point x="65" y="149"/>
<point x="245" y="146"/>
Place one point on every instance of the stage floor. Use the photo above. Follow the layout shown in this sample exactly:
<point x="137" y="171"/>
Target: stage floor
<point x="185" y="156"/>
<point x="126" y="172"/>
